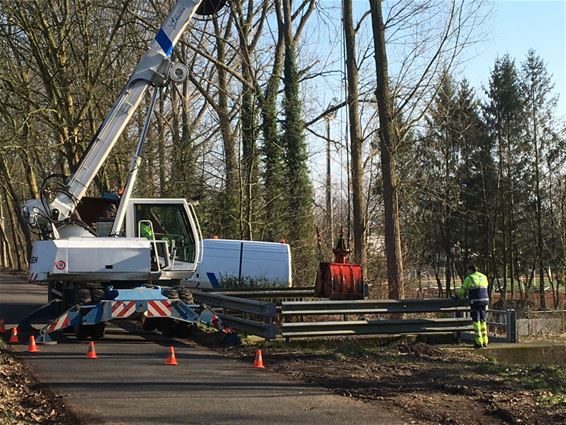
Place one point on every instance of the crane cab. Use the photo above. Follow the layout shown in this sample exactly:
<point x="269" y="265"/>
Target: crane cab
<point x="172" y="228"/>
<point x="159" y="241"/>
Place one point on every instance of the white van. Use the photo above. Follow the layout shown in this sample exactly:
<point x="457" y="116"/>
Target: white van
<point x="230" y="263"/>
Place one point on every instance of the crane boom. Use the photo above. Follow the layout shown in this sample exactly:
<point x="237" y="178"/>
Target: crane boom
<point x="151" y="70"/>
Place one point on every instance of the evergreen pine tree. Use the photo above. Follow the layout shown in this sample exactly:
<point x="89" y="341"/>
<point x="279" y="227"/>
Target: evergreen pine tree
<point x="503" y="114"/>
<point x="476" y="180"/>
<point x="275" y="181"/>
<point x="536" y="87"/>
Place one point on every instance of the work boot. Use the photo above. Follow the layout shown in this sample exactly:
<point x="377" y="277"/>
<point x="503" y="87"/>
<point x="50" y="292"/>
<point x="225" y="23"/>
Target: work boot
<point x="484" y="337"/>
<point x="478" y="343"/>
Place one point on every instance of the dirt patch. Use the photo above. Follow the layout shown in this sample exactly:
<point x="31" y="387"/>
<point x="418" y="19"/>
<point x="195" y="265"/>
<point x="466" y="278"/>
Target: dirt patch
<point x="424" y="384"/>
<point x="23" y="401"/>
<point x="421" y="383"/>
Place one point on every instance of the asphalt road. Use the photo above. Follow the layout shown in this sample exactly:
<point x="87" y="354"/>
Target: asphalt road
<point x="129" y="384"/>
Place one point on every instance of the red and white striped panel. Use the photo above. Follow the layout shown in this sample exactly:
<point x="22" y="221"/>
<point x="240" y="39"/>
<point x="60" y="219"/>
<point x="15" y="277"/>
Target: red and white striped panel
<point x="158" y="308"/>
<point x="61" y="323"/>
<point x="122" y="309"/>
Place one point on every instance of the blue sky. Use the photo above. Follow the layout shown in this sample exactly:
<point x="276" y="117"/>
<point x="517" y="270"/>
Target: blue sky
<point x="515" y="27"/>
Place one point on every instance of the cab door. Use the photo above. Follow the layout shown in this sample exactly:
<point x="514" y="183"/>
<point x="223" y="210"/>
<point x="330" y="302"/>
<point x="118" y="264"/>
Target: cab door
<point x="174" y="227"/>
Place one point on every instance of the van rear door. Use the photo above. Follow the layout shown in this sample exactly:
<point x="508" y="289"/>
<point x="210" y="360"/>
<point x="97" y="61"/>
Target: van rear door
<point x="266" y="264"/>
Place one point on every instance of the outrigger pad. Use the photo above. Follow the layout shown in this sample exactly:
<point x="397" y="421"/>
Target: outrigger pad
<point x="44" y="338"/>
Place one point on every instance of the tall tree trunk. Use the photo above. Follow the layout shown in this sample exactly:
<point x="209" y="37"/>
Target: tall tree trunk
<point x="538" y="212"/>
<point x="12" y="195"/>
<point x="6" y="254"/>
<point x="356" y="139"/>
<point x="231" y="189"/>
<point x="328" y="219"/>
<point x="15" y="239"/>
<point x="388" y="144"/>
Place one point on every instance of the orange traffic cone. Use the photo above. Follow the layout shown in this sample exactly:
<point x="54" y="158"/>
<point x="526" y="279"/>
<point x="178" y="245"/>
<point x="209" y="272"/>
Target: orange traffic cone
<point x="91" y="353"/>
<point x="14" y="337"/>
<point x="258" y="361"/>
<point x="32" y="348"/>
<point x="171" y="360"/>
<point x="2" y="327"/>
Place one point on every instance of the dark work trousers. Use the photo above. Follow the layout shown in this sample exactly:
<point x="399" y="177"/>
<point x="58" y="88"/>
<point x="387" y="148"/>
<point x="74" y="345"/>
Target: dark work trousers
<point x="479" y="311"/>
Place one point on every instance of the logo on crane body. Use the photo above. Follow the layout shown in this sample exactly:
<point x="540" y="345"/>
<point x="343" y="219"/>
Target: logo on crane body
<point x="175" y="19"/>
<point x="60" y="265"/>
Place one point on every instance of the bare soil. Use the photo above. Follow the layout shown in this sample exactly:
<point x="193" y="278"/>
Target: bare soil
<point x="424" y="384"/>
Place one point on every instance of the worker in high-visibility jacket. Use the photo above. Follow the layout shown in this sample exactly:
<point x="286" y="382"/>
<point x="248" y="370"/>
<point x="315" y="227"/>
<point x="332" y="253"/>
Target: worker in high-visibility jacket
<point x="475" y="288"/>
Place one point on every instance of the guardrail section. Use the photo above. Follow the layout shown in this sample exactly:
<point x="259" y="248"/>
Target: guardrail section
<point x="368" y="327"/>
<point x="257" y="317"/>
<point x="433" y="305"/>
<point x="264" y="311"/>
<point x="455" y="308"/>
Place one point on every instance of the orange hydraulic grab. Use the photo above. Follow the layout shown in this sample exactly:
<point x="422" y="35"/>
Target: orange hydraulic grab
<point x="340" y="280"/>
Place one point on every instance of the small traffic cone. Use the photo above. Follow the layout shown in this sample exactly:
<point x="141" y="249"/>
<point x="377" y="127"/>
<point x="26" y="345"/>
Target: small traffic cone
<point x="171" y="360"/>
<point x="14" y="337"/>
<point x="32" y="348"/>
<point x="2" y="327"/>
<point x="258" y="361"/>
<point x="91" y="353"/>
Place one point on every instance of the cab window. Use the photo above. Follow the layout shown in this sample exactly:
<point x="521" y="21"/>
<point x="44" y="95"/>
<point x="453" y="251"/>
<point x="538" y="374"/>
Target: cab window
<point x="170" y="223"/>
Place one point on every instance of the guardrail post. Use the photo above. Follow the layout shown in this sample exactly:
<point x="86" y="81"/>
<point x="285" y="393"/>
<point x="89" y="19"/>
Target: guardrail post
<point x="511" y="326"/>
<point x="457" y="315"/>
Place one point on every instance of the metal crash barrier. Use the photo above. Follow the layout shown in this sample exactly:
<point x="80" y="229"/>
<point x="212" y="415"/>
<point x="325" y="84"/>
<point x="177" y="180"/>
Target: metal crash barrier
<point x="503" y="320"/>
<point x="455" y="310"/>
<point x="249" y="316"/>
<point x="315" y="318"/>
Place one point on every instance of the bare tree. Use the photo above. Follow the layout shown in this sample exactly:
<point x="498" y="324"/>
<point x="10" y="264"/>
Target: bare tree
<point x="388" y="145"/>
<point x="433" y="34"/>
<point x="356" y="138"/>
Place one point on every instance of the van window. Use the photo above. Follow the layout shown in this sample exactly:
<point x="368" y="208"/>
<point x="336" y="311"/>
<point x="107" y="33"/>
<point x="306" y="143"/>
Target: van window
<point x="170" y="223"/>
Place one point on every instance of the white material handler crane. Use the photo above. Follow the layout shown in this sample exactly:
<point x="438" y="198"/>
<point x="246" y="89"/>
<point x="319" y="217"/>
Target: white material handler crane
<point x="105" y="269"/>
